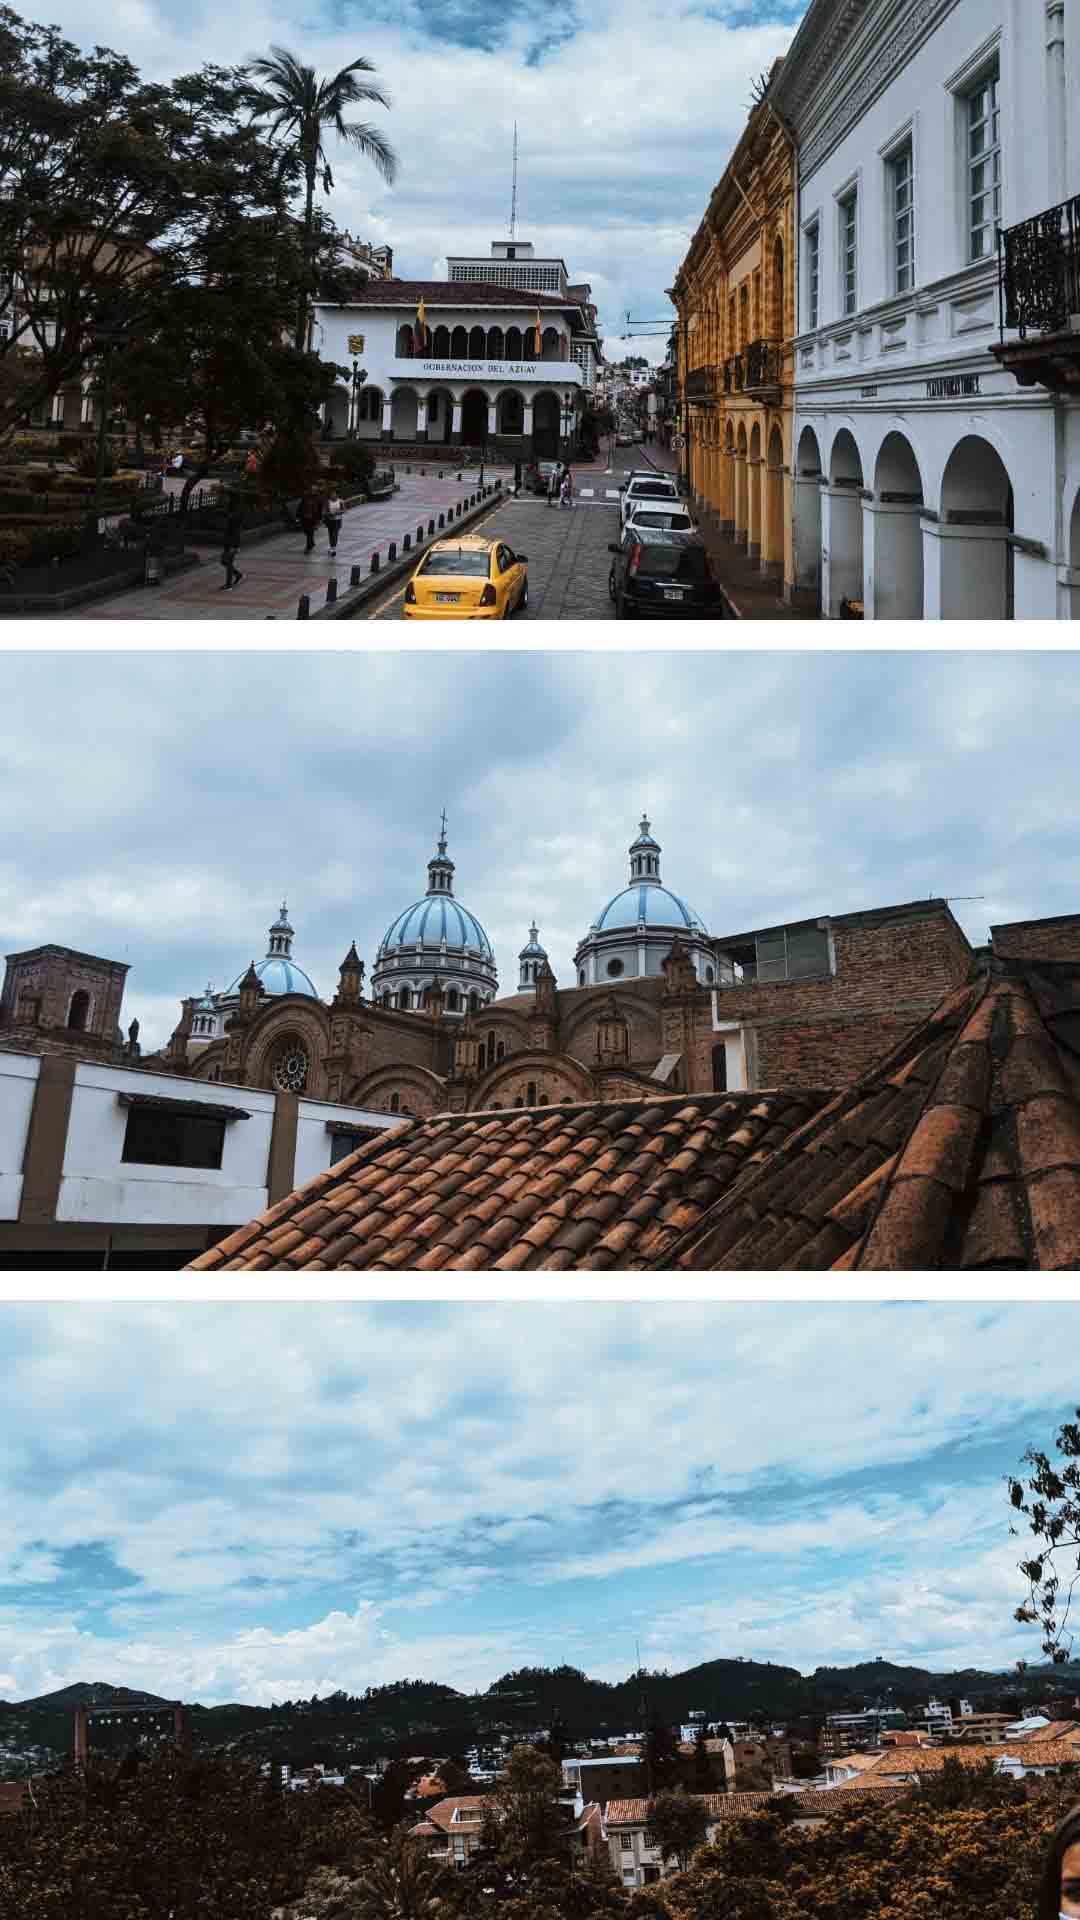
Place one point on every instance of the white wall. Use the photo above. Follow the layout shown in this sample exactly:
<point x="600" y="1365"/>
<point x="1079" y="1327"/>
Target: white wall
<point x="313" y="1143"/>
<point x="18" y="1083"/>
<point x="98" y="1185"/>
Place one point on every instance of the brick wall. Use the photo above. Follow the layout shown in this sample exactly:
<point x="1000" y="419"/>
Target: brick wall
<point x="1057" y="939"/>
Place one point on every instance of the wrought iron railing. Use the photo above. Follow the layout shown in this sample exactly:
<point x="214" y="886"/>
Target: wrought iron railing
<point x="763" y="360"/>
<point x="1039" y="266"/>
<point x="733" y="374"/>
<point x="701" y="383"/>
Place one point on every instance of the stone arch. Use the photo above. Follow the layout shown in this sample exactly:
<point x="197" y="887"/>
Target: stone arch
<point x="511" y="411"/>
<point x="555" y="1074"/>
<point x="844" y="538"/>
<point x="772" y="532"/>
<point x="78" y="1014"/>
<point x="419" y="1091"/>
<point x="741" y="504"/>
<point x="404" y="342"/>
<point x="513" y="343"/>
<point x="806" y="515"/>
<point x="546" y="424"/>
<point x="477" y="343"/>
<point x="404" y="408"/>
<point x="474" y="417"/>
<point x="977" y="515"/>
<point x="896" y="522"/>
<point x="369" y="413"/>
<point x="459" y="344"/>
<point x="639" y="1012"/>
<point x="551" y="344"/>
<point x="754" y="490"/>
<point x="440" y="343"/>
<point x="496" y="343"/>
<point x="292" y="1020"/>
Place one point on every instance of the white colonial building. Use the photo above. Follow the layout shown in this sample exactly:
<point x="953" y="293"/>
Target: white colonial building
<point x="928" y="481"/>
<point x="481" y="377"/>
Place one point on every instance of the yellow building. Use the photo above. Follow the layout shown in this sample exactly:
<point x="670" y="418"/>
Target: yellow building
<point x="735" y="294"/>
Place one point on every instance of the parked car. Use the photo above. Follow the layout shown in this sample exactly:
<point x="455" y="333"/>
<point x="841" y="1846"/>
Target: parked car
<point x="537" y="475"/>
<point x="654" y="571"/>
<point x="672" y="516"/>
<point x="468" y="577"/>
<point x="654" y="486"/>
<point x="624" y="439"/>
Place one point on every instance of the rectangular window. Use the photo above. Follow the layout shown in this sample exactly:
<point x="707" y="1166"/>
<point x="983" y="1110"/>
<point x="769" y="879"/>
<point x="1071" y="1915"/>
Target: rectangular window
<point x="902" y="218"/>
<point x="983" y="168"/>
<point x="157" y="1138"/>
<point x="627" y="1843"/>
<point x="800" y="953"/>
<point x="648" y="1839"/>
<point x="813" y="274"/>
<point x="849" y="254"/>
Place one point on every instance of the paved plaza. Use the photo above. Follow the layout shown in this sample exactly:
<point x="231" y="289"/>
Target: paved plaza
<point x="277" y="571"/>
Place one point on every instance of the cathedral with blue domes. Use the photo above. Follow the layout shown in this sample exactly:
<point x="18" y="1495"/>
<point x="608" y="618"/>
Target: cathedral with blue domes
<point x="431" y="1033"/>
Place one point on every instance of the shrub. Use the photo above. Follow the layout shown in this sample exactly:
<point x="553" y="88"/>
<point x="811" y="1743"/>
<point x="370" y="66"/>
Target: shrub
<point x="86" y="459"/>
<point x="354" y="460"/>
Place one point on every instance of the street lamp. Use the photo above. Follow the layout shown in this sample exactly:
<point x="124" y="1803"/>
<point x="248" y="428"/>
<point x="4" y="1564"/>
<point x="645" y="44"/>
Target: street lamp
<point x="359" y="375"/>
<point x="106" y="337"/>
<point x="567" y="417"/>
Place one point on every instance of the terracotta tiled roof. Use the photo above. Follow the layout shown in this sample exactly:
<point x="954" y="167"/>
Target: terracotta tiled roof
<point x="960" y="1150"/>
<point x="731" y="1806"/>
<point x="856" y="1760"/>
<point x="442" y="1814"/>
<point x="1033" y="1753"/>
<point x="608" y="1185"/>
<point x="1056" y="1730"/>
<point x="451" y="293"/>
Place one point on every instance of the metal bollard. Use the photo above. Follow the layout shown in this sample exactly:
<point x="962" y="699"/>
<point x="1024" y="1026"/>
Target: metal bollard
<point x="430" y="527"/>
<point x="442" y="520"/>
<point x="354" y="576"/>
<point x="303" y="607"/>
<point x="440" y="473"/>
<point x="331" y="590"/>
<point x="457" y="476"/>
<point x="419" y="535"/>
<point x="375" y="563"/>
<point x="406" y="544"/>
<point x="391" y="553"/>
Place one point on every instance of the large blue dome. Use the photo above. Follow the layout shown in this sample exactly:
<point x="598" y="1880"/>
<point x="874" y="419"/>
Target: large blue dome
<point x="432" y="920"/>
<point x="278" y="974"/>
<point x="653" y="905"/>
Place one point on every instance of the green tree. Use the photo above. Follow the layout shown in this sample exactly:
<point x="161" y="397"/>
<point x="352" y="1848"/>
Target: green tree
<point x="703" y="1769"/>
<point x="679" y="1822"/>
<point x="398" y="1881"/>
<point x="1048" y="1497"/>
<point x="533" y="1824"/>
<point x="304" y="108"/>
<point x="661" y="1757"/>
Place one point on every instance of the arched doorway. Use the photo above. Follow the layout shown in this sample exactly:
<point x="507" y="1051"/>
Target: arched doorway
<point x="753" y="479"/>
<point x="740" y="486"/>
<point x="336" y="414"/>
<point x="494" y="343"/>
<point x="440" y="414"/>
<point x="79" y="1011"/>
<point x="511" y="414"/>
<point x="477" y="343"/>
<point x="513" y="343"/>
<point x="842" y="529"/>
<point x="403" y="413"/>
<point x="975" y="557"/>
<point x="551" y="346"/>
<point x="369" y="413"/>
<point x="807" y="516"/>
<point x="440" y="344"/>
<point x="405" y="343"/>
<point x="772" y="541"/>
<point x="546" y="426"/>
<point x="896" y="563"/>
<point x="459" y="344"/>
<point x="474" y="418"/>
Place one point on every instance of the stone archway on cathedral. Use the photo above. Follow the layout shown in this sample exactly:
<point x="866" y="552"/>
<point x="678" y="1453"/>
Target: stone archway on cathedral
<point x="284" y="1049"/>
<point x="531" y="1079"/>
<point x="399" y="1089"/>
<point x="640" y="1012"/>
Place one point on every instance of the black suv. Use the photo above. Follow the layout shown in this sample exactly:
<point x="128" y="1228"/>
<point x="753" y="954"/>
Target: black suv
<point x="656" y="571"/>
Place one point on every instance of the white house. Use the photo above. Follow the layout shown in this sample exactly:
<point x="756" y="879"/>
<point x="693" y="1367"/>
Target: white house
<point x="929" y="482"/>
<point x="497" y="364"/>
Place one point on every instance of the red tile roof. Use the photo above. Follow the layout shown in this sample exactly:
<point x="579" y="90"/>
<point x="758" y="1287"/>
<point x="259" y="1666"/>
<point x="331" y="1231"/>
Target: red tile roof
<point x="609" y="1185"/>
<point x="452" y="293"/>
<point x="961" y="1149"/>
<point x="472" y="1805"/>
<point x="815" y="1802"/>
<point x="1033" y="1753"/>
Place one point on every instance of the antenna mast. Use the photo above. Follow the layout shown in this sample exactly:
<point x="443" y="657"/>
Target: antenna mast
<point x="513" y="196"/>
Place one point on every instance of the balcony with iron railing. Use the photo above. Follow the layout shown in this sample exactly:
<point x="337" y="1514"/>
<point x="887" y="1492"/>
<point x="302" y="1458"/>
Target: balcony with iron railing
<point x="764" y="362"/>
<point x="701" y="384"/>
<point x="1039" y="299"/>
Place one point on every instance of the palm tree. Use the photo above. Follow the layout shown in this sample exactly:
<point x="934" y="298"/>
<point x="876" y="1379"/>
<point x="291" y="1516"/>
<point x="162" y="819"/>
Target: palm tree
<point x="304" y="106"/>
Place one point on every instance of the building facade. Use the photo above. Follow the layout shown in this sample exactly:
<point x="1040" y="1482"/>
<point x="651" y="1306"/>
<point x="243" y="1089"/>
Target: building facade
<point x="735" y="295"/>
<point x="484" y="362"/>
<point x="937" y="458"/>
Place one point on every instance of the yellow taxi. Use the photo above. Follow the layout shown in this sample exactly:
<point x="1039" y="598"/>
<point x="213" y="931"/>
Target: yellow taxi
<point x="468" y="577"/>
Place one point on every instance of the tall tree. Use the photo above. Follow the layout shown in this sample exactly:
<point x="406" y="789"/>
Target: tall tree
<point x="679" y="1822"/>
<point x="534" y="1825"/>
<point x="1049" y="1499"/>
<point x="305" y="107"/>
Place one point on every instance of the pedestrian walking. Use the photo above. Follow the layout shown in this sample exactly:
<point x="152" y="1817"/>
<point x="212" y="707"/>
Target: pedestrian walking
<point x="553" y="484"/>
<point x="251" y="464"/>
<point x="566" y="489"/>
<point x="333" y="516"/>
<point x="228" y="551"/>
<point x="517" y="476"/>
<point x="311" y="512"/>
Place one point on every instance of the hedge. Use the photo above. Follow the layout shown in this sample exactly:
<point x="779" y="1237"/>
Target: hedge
<point x="37" y="546"/>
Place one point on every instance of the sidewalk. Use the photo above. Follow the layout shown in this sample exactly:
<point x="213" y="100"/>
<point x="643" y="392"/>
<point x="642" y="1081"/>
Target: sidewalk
<point x="741" y="578"/>
<point x="277" y="571"/>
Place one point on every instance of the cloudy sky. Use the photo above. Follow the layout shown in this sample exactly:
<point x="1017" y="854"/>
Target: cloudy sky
<point x="257" y="1502"/>
<point x="626" y="109"/>
<point x="157" y="806"/>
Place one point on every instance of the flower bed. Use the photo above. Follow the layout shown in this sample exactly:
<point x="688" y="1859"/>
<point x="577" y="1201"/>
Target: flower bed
<point x="92" y="576"/>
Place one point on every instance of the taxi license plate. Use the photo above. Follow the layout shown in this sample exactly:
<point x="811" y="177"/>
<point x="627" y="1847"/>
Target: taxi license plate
<point x="673" y="593"/>
<point x="446" y="599"/>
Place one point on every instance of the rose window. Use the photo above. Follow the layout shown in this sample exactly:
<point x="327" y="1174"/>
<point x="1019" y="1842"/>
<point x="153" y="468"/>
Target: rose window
<point x="291" y="1069"/>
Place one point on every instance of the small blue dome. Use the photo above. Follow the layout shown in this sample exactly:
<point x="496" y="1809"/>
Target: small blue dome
<point x="432" y="920"/>
<point x="654" y="905"/>
<point x="278" y="975"/>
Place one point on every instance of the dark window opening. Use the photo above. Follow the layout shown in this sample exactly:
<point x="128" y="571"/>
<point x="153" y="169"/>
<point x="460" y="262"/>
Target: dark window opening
<point x="79" y="1011"/>
<point x="500" y="1050"/>
<point x="614" y="968"/>
<point x="154" y="1138"/>
<point x="395" y="1102"/>
<point x="530" y="1094"/>
<point x="719" y="1068"/>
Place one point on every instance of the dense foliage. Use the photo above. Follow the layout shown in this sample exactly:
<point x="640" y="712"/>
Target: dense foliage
<point x="1049" y="1498"/>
